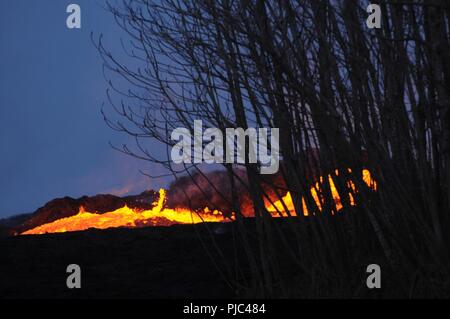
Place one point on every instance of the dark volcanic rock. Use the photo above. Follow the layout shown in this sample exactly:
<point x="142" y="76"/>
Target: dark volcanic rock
<point x="5" y="232"/>
<point x="14" y="221"/>
<point x="153" y="262"/>
<point x="67" y="206"/>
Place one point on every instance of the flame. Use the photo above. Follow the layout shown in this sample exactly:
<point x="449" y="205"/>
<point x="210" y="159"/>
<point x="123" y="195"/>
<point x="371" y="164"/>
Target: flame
<point x="277" y="209"/>
<point x="127" y="217"/>
<point x="160" y="215"/>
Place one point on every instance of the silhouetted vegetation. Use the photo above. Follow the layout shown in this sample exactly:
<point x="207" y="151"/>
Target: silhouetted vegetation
<point x="358" y="97"/>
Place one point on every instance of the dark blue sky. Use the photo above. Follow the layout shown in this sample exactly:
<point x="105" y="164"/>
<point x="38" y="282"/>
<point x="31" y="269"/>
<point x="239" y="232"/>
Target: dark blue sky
<point x="53" y="139"/>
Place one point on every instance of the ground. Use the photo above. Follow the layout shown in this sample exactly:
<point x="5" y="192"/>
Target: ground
<point x="155" y="262"/>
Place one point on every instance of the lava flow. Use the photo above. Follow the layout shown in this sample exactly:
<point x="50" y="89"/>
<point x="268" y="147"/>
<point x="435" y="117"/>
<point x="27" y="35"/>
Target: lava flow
<point x="277" y="209"/>
<point x="159" y="215"/>
<point x="127" y="217"/>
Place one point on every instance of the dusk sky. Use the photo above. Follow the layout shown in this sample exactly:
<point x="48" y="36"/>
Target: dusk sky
<point x="53" y="138"/>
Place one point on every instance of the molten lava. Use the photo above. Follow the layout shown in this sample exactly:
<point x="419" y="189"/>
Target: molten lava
<point x="160" y="215"/>
<point x="127" y="217"/>
<point x="277" y="209"/>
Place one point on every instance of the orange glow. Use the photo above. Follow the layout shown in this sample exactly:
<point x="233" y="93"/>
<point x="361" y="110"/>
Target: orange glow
<point x="159" y="215"/>
<point x="127" y="217"/>
<point x="277" y="209"/>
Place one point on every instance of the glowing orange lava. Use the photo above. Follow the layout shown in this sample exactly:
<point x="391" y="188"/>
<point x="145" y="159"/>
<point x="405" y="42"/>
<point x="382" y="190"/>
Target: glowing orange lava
<point x="277" y="209"/>
<point x="160" y="215"/>
<point x="127" y="217"/>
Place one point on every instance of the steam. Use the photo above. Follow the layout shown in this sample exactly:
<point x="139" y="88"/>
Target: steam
<point x="213" y="190"/>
